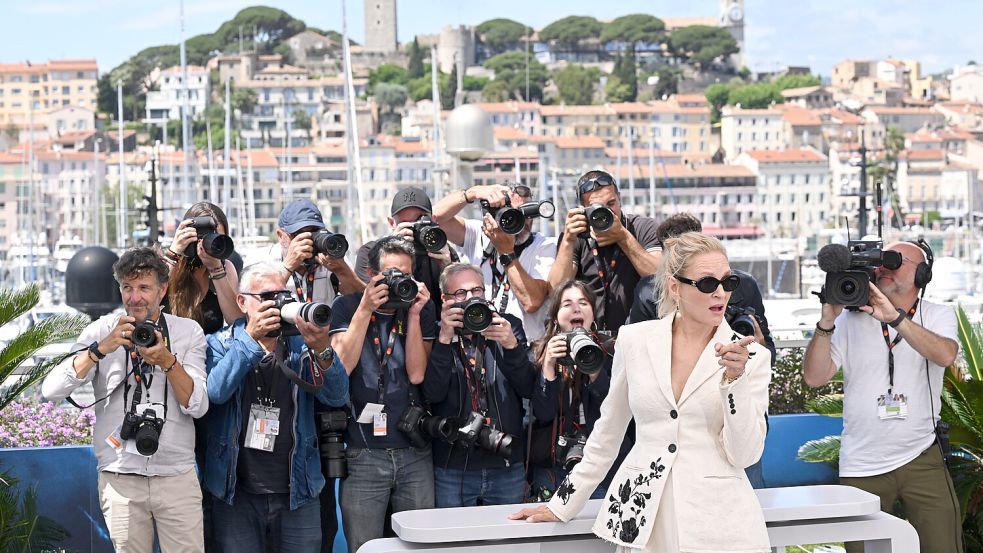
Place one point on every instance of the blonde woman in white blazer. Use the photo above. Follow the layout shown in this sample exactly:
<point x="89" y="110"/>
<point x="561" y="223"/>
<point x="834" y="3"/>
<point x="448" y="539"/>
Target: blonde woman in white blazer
<point x="698" y="393"/>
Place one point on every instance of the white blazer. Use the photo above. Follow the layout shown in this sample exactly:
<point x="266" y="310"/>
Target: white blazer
<point x="705" y="440"/>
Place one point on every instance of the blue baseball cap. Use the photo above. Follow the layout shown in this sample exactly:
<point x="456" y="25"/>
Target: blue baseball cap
<point x="299" y="214"/>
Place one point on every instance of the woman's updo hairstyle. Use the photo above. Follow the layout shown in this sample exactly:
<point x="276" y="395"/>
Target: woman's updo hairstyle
<point x="676" y="255"/>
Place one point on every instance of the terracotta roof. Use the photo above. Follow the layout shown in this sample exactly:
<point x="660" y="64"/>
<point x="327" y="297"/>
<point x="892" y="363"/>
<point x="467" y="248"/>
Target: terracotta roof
<point x="51" y="65"/>
<point x="640" y="153"/>
<point x="75" y="136"/>
<point x="799" y="116"/>
<point x="679" y="171"/>
<point x="689" y="99"/>
<point x="260" y="158"/>
<point x="8" y="158"/>
<point x="67" y="155"/>
<point x="800" y="91"/>
<point x="923" y="155"/>
<point x="411" y="146"/>
<point x="579" y="142"/>
<point x="575" y="110"/>
<point x="842" y="116"/>
<point x="923" y="137"/>
<point x="509" y="133"/>
<point x="887" y="110"/>
<point x="509" y="107"/>
<point x="786" y="156"/>
<point x="632" y="107"/>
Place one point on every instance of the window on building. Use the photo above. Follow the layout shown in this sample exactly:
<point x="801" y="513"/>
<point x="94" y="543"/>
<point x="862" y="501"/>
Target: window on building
<point x="65" y="90"/>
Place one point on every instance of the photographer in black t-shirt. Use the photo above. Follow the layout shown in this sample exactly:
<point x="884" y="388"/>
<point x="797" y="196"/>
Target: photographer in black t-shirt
<point x="611" y="261"/>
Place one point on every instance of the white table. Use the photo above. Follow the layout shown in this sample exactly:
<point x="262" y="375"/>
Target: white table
<point x="797" y="515"/>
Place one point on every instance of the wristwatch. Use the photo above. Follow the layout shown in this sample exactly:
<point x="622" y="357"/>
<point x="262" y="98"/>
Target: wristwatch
<point x="506" y="258"/>
<point x="94" y="348"/>
<point x="902" y="315"/>
<point x="326" y="355"/>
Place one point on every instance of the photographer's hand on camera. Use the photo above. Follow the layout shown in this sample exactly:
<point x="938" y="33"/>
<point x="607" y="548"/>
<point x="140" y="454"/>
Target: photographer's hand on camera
<point x="122" y="335"/>
<point x="759" y="335"/>
<point x="575" y="226"/>
<point x="501" y="331"/>
<point x="157" y="354"/>
<point x="880" y="307"/>
<point x="184" y="236"/>
<point x="301" y="249"/>
<point x="375" y="294"/>
<point x="556" y="349"/>
<point x="422" y="297"/>
<point x="315" y="336"/>
<point x="617" y="234"/>
<point x="451" y="318"/>
<point x="503" y="241"/>
<point x="265" y="322"/>
<point x="494" y="194"/>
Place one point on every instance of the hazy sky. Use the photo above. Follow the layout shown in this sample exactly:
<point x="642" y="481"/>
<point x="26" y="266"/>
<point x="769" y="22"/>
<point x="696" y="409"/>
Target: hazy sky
<point x="778" y="32"/>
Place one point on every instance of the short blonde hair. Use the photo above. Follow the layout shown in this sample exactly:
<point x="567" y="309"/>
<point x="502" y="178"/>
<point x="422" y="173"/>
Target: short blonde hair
<point x="676" y="256"/>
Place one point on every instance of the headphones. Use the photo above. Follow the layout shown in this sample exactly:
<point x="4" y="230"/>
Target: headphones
<point x="923" y="272"/>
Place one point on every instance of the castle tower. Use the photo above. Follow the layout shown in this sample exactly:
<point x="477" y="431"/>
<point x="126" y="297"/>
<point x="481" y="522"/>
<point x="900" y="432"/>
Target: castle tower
<point x="380" y="26"/>
<point x="732" y="19"/>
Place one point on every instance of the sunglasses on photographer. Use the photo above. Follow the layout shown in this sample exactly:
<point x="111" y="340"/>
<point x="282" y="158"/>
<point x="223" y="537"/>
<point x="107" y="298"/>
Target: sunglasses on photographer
<point x="593" y="184"/>
<point x="522" y="191"/>
<point x="708" y="285"/>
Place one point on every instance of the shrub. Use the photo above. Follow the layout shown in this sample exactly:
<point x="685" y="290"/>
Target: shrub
<point x="30" y="423"/>
<point x="788" y="393"/>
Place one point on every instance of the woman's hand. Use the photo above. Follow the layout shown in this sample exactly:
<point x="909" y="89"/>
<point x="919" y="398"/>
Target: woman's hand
<point x="535" y="514"/>
<point x="556" y="349"/>
<point x="733" y="356"/>
<point x="184" y="236"/>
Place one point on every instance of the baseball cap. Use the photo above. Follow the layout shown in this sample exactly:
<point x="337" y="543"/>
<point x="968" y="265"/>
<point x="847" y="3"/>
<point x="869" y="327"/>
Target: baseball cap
<point x="411" y="196"/>
<point x="299" y="214"/>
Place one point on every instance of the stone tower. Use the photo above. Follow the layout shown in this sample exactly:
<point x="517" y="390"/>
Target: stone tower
<point x="380" y="26"/>
<point x="732" y="19"/>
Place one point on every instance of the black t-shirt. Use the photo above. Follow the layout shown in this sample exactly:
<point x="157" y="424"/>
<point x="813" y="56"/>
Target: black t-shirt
<point x="425" y="269"/>
<point x="622" y="278"/>
<point x="264" y="472"/>
<point x="211" y="312"/>
<point x="363" y="384"/>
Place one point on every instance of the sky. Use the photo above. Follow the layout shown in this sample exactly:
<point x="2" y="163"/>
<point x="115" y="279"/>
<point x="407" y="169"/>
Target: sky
<point x="815" y="33"/>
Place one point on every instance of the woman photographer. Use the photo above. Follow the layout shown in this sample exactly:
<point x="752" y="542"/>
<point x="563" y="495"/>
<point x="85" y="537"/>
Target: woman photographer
<point x="201" y="287"/>
<point x="698" y="393"/>
<point x="567" y="402"/>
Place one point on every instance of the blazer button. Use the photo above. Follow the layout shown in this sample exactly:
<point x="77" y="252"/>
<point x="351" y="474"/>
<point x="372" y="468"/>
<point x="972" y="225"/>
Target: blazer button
<point x="733" y="411"/>
<point x="673" y="413"/>
<point x="730" y="396"/>
<point x="672" y="448"/>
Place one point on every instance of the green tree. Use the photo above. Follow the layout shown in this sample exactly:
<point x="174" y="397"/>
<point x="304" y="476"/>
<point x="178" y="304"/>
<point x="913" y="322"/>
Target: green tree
<point x="702" y="44"/>
<point x="569" y="31"/>
<point x="414" y="69"/>
<point x="668" y="83"/>
<point x="495" y="91"/>
<point x="265" y="26"/>
<point x="391" y="96"/>
<point x="626" y="73"/>
<point x="285" y="52"/>
<point x="634" y="28"/>
<point x="576" y="84"/>
<point x="717" y="96"/>
<point x="755" y="95"/>
<point x="616" y="91"/>
<point x="387" y="73"/>
<point x="244" y="100"/>
<point x="500" y="35"/>
<point x="475" y="84"/>
<point x="448" y="90"/>
<point x="510" y="68"/>
<point x="796" y="81"/>
<point x="420" y="88"/>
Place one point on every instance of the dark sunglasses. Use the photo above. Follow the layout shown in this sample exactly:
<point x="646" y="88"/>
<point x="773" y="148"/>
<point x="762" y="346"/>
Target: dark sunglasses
<point x="593" y="184"/>
<point x="708" y="285"/>
<point x="266" y="296"/>
<point x="522" y="191"/>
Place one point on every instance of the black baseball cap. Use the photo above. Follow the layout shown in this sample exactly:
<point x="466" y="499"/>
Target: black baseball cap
<point x="299" y="214"/>
<point x="411" y="196"/>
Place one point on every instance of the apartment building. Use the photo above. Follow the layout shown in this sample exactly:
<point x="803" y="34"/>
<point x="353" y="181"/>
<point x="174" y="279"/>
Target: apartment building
<point x="166" y="103"/>
<point x="793" y="189"/>
<point x="751" y="129"/>
<point x="42" y="87"/>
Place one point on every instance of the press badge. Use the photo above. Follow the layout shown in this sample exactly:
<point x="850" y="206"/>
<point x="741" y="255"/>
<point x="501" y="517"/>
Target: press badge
<point x="892" y="406"/>
<point x="263" y="427"/>
<point x="379" y="425"/>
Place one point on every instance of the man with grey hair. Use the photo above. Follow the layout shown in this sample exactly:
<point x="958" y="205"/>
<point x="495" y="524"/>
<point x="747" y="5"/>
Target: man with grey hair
<point x="264" y="378"/>
<point x="150" y="389"/>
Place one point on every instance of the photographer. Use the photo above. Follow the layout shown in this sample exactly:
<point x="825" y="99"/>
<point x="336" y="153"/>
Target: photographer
<point x="383" y="337"/>
<point x="312" y="275"/>
<point x="514" y="266"/>
<point x="476" y="381"/>
<point x="610" y="251"/>
<point x="263" y="465"/>
<point x="150" y="393"/>
<point x="567" y="401"/>
<point x="410" y="210"/>
<point x="894" y="448"/>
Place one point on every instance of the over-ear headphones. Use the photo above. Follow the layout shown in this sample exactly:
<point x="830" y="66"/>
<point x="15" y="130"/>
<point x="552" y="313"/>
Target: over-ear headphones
<point x="923" y="272"/>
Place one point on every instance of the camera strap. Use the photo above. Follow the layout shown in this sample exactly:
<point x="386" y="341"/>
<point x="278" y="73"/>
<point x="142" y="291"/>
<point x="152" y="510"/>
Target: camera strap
<point x="472" y="363"/>
<point x="142" y="371"/>
<point x="604" y="270"/>
<point x="397" y="327"/>
<point x="890" y="346"/>
<point x="280" y="356"/>
<point x="500" y="279"/>
<point x="299" y="284"/>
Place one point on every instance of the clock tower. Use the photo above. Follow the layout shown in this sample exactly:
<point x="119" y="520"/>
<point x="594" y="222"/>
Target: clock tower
<point x="732" y="19"/>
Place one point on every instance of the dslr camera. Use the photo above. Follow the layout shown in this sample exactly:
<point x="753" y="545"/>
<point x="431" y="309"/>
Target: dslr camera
<point x="850" y="269"/>
<point x="570" y="449"/>
<point x="428" y="235"/>
<point x="511" y="220"/>
<point x="216" y="245"/>
<point x="144" y="429"/>
<point x="582" y="351"/>
<point x="331" y="442"/>
<point x="420" y="426"/>
<point x="477" y="315"/>
<point x="292" y="310"/>
<point x="476" y="430"/>
<point x="599" y="217"/>
<point x="144" y="334"/>
<point x="402" y="289"/>
<point x="741" y="319"/>
<point x="330" y="244"/>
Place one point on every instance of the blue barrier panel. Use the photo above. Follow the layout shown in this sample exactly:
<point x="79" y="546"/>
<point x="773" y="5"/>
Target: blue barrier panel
<point x="65" y="478"/>
<point x="786" y="434"/>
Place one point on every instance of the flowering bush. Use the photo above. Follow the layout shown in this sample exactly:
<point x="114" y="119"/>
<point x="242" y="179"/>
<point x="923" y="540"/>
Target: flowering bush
<point x="789" y="394"/>
<point x="30" y="423"/>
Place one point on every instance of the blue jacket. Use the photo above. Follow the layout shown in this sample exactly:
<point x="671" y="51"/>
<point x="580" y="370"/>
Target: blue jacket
<point x="231" y="354"/>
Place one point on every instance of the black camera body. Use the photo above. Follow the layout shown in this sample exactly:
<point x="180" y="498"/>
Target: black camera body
<point x="741" y="319"/>
<point x="144" y="429"/>
<point x="419" y="426"/>
<point x="478" y="315"/>
<point x="428" y="235"/>
<point x="329" y="243"/>
<point x="144" y="334"/>
<point x="291" y="310"/>
<point x="216" y="245"/>
<point x="402" y="289"/>
<point x="510" y="219"/>
<point x="570" y="449"/>
<point x="332" y="424"/>
<point x="477" y="431"/>
<point x="582" y="351"/>
<point x="599" y="217"/>
<point x="850" y="271"/>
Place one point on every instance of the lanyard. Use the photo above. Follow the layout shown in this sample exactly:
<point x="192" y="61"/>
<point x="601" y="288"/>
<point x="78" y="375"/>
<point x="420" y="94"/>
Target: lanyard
<point x="890" y="347"/>
<point x="141" y="371"/>
<point x="265" y="389"/>
<point x="605" y="271"/>
<point x="500" y="279"/>
<point x="298" y="284"/>
<point x="384" y="356"/>
<point x="472" y="361"/>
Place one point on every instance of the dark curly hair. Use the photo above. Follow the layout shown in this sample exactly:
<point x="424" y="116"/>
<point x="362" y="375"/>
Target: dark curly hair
<point x="139" y="261"/>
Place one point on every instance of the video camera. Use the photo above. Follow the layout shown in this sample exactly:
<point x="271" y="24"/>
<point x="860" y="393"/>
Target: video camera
<point x="850" y="269"/>
<point x="216" y="245"/>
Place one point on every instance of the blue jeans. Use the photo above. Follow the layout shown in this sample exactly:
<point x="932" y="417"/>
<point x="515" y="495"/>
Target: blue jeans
<point x="242" y="527"/>
<point x="544" y="479"/>
<point x="376" y="478"/>
<point x="755" y="475"/>
<point x="459" y="488"/>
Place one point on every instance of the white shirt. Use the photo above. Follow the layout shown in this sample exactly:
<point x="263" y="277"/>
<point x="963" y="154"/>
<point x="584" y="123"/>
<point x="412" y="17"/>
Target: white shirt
<point x="324" y="291"/>
<point x="871" y="446"/>
<point x="176" y="454"/>
<point x="536" y="259"/>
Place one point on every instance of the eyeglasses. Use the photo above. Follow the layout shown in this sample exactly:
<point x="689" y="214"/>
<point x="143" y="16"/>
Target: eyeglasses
<point x="593" y="184"/>
<point x="266" y="296"/>
<point x="708" y="285"/>
<point x="522" y="191"/>
<point x="462" y="294"/>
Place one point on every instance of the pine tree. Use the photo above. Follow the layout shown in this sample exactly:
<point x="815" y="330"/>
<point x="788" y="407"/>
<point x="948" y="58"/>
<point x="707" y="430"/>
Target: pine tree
<point x="414" y="70"/>
<point x="449" y="90"/>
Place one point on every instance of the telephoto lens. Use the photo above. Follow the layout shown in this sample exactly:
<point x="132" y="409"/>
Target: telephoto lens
<point x="429" y="235"/>
<point x="147" y="436"/>
<point x="477" y="315"/>
<point x="495" y="441"/>
<point x="583" y="352"/>
<point x="312" y="312"/>
<point x="144" y="334"/>
<point x="599" y="217"/>
<point x="216" y="245"/>
<point x="331" y="443"/>
<point x="330" y="244"/>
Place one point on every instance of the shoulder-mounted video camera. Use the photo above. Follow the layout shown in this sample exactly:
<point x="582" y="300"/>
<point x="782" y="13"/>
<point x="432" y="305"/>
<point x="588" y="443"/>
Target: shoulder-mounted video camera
<point x="850" y="270"/>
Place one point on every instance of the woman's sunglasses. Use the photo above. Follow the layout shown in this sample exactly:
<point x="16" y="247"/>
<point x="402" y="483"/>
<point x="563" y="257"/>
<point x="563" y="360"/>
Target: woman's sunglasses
<point x="708" y="285"/>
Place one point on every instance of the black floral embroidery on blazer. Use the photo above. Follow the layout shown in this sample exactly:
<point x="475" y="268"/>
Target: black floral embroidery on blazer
<point x="629" y="503"/>
<point x="565" y="490"/>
